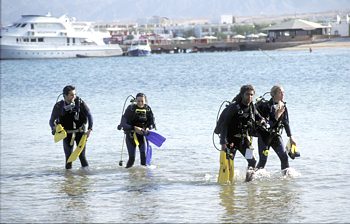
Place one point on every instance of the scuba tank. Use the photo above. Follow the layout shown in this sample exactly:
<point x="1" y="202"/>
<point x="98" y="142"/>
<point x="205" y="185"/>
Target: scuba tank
<point x="119" y="127"/>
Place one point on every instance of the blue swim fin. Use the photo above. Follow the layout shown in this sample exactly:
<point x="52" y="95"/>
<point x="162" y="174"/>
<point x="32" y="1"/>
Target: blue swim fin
<point x="148" y="154"/>
<point x="155" y="138"/>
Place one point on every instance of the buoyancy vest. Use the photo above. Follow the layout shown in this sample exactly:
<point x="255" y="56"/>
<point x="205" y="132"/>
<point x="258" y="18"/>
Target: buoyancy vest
<point x="142" y="117"/>
<point x="243" y="119"/>
<point x="72" y="116"/>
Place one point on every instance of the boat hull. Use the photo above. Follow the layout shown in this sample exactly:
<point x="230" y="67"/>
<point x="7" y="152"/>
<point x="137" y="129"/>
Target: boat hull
<point x="139" y="52"/>
<point x="39" y="52"/>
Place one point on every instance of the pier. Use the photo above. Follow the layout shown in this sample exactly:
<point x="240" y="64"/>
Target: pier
<point x="194" y="47"/>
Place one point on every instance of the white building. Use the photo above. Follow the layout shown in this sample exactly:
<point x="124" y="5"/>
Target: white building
<point x="341" y="27"/>
<point x="212" y="29"/>
<point x="227" y="19"/>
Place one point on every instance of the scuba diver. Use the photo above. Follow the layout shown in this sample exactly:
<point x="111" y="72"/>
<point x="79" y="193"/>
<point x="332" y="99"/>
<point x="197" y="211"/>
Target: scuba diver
<point x="137" y="120"/>
<point x="238" y="126"/>
<point x="71" y="114"/>
<point x="276" y="113"/>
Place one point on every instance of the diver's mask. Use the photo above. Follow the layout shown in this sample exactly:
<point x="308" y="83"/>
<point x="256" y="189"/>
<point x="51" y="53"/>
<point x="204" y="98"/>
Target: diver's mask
<point x="70" y="107"/>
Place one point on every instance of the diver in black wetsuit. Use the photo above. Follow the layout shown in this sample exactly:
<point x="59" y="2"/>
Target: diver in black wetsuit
<point x="275" y="111"/>
<point x="73" y="114"/>
<point x="239" y="125"/>
<point x="136" y="121"/>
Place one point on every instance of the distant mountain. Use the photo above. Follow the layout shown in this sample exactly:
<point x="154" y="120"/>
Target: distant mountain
<point x="121" y="10"/>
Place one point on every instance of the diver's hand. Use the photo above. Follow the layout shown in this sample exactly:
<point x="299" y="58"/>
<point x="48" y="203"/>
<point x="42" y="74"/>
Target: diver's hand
<point x="88" y="132"/>
<point x="280" y="108"/>
<point x="53" y="131"/>
<point x="263" y="123"/>
<point x="292" y="142"/>
<point x="138" y="130"/>
<point x="223" y="147"/>
<point x="145" y="131"/>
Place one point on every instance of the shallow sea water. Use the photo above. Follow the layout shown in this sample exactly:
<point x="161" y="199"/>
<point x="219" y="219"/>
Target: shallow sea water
<point x="185" y="92"/>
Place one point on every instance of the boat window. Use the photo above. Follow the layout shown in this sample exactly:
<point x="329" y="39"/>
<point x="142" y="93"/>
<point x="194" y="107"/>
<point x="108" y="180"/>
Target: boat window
<point x="33" y="40"/>
<point x="32" y="26"/>
<point x="40" y="39"/>
<point x="18" y="25"/>
<point x="25" y="40"/>
<point x="73" y="40"/>
<point x="67" y="41"/>
<point x="49" y="26"/>
<point x="23" y="25"/>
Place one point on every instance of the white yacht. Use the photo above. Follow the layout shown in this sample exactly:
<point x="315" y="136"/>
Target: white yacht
<point x="45" y="36"/>
<point x="139" y="48"/>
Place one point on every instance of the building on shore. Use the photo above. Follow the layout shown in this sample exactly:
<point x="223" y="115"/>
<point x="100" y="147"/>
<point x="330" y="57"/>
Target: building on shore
<point x="162" y="30"/>
<point x="202" y="30"/>
<point x="296" y="30"/>
<point x="341" y="27"/>
<point x="227" y="19"/>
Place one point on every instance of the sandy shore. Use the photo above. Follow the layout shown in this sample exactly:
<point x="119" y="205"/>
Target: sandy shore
<point x="338" y="43"/>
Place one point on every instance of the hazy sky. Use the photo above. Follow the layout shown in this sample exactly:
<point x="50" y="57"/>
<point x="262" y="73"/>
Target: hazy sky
<point x="114" y="10"/>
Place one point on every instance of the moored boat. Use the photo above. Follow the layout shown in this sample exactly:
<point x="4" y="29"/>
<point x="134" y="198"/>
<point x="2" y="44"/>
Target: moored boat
<point x="139" y="48"/>
<point x="45" y="36"/>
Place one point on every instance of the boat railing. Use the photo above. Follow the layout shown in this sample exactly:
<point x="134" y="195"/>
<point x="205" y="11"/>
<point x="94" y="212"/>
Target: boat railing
<point x="28" y="42"/>
<point x="47" y="33"/>
<point x="139" y="42"/>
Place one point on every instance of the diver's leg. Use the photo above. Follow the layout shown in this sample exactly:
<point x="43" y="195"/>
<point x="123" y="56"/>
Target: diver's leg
<point x="131" y="151"/>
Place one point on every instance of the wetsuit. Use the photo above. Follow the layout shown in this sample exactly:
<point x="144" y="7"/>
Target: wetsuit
<point x="140" y="117"/>
<point x="238" y="127"/>
<point x="273" y="137"/>
<point x="73" y="118"/>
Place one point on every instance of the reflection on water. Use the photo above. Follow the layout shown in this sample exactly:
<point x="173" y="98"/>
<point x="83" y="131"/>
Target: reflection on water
<point x="227" y="199"/>
<point x="75" y="184"/>
<point x="139" y="195"/>
<point x="139" y="179"/>
<point x="260" y="201"/>
<point x="34" y="187"/>
<point x="75" y="206"/>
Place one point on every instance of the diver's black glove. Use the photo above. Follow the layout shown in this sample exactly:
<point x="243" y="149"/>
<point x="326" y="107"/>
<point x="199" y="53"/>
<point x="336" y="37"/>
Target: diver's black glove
<point x="53" y="131"/>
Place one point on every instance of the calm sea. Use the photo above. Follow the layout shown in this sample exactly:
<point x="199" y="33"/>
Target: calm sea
<point x="185" y="92"/>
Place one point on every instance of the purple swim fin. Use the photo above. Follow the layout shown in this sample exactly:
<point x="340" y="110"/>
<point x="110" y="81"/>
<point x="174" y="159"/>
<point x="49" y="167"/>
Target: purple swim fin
<point x="148" y="154"/>
<point x="155" y="138"/>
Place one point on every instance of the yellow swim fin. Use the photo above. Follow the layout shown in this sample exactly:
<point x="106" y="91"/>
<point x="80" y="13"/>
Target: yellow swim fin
<point x="226" y="171"/>
<point x="136" y="140"/>
<point x="60" y="133"/>
<point x="75" y="154"/>
<point x="231" y="170"/>
<point x="292" y="150"/>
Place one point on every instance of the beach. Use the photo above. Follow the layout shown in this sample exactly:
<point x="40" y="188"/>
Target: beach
<point x="332" y="43"/>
